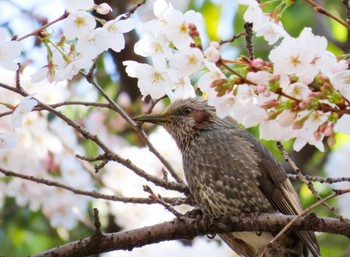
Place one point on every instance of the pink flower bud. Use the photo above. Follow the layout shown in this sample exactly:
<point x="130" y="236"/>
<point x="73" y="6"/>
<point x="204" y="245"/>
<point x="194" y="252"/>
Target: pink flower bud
<point x="257" y="63"/>
<point x="329" y="130"/>
<point x="270" y="104"/>
<point x="331" y="140"/>
<point x="212" y="54"/>
<point x="317" y="135"/>
<point x="323" y="127"/>
<point x="214" y="44"/>
<point x="260" y="88"/>
<point x="266" y="93"/>
<point x="103" y="9"/>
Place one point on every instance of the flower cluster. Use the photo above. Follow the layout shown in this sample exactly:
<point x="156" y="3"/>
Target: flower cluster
<point x="82" y="41"/>
<point x="43" y="150"/>
<point x="170" y="41"/>
<point x="300" y="93"/>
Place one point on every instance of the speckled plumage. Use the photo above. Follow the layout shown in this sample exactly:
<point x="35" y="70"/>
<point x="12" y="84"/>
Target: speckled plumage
<point x="229" y="172"/>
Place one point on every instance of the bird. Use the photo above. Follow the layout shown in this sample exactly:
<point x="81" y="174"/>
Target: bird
<point x="229" y="172"/>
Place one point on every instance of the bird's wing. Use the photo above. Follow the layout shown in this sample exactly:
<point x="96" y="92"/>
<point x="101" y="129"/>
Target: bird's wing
<point x="276" y="186"/>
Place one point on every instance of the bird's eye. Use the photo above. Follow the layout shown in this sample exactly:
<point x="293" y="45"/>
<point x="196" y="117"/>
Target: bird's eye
<point x="187" y="110"/>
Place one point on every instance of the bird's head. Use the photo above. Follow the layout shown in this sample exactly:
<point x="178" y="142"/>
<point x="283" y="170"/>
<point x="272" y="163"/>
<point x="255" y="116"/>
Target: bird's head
<point x="184" y="118"/>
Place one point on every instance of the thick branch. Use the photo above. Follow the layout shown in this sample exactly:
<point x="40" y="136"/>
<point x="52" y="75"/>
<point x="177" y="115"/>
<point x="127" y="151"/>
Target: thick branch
<point x="188" y="228"/>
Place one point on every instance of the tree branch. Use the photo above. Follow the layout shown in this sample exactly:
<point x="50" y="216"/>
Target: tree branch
<point x="93" y="194"/>
<point x="188" y="228"/>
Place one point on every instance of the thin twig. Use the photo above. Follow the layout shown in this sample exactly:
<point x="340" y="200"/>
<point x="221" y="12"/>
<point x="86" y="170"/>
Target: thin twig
<point x="134" y="125"/>
<point x="132" y="10"/>
<point x="153" y="103"/>
<point x="321" y="10"/>
<point x="347" y="8"/>
<point x="230" y="40"/>
<point x="94" y="104"/>
<point x="127" y="163"/>
<point x="36" y="32"/>
<point x="301" y="176"/>
<point x="245" y="80"/>
<point x="97" y="223"/>
<point x="303" y="213"/>
<point x="92" y="194"/>
<point x="161" y="201"/>
<point x="321" y="180"/>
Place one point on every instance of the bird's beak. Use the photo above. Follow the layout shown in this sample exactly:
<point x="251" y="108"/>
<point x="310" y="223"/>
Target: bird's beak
<point x="153" y="118"/>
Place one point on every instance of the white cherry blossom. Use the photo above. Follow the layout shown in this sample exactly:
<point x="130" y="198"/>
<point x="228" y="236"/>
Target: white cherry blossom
<point x="213" y="73"/>
<point x="176" y="27"/>
<point x="78" y="24"/>
<point x="341" y="82"/>
<point x="187" y="61"/>
<point x="22" y="109"/>
<point x="93" y="43"/>
<point x="78" y="5"/>
<point x="246" y="110"/>
<point x="297" y="90"/>
<point x="212" y="53"/>
<point x="266" y="27"/>
<point x="115" y="30"/>
<point x="306" y="133"/>
<point x="151" y="81"/>
<point x="73" y="68"/>
<point x="182" y="88"/>
<point x="7" y="140"/>
<point x="154" y="46"/>
<point x="343" y="124"/>
<point x="9" y="50"/>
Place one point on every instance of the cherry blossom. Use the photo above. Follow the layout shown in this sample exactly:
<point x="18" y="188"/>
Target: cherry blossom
<point x="213" y="73"/>
<point x="253" y="12"/>
<point x="22" y="109"/>
<point x="115" y="29"/>
<point x="154" y="46"/>
<point x="73" y="67"/>
<point x="188" y="61"/>
<point x="78" y="5"/>
<point x="343" y="124"/>
<point x="306" y="135"/>
<point x="300" y="56"/>
<point x="78" y="24"/>
<point x="152" y="81"/>
<point x="7" y="140"/>
<point x="103" y="8"/>
<point x="182" y="88"/>
<point x="297" y="90"/>
<point x="341" y="81"/>
<point x="212" y="53"/>
<point x="9" y="50"/>
<point x="93" y="43"/>
<point x="246" y="110"/>
<point x="269" y="29"/>
<point x="274" y="130"/>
